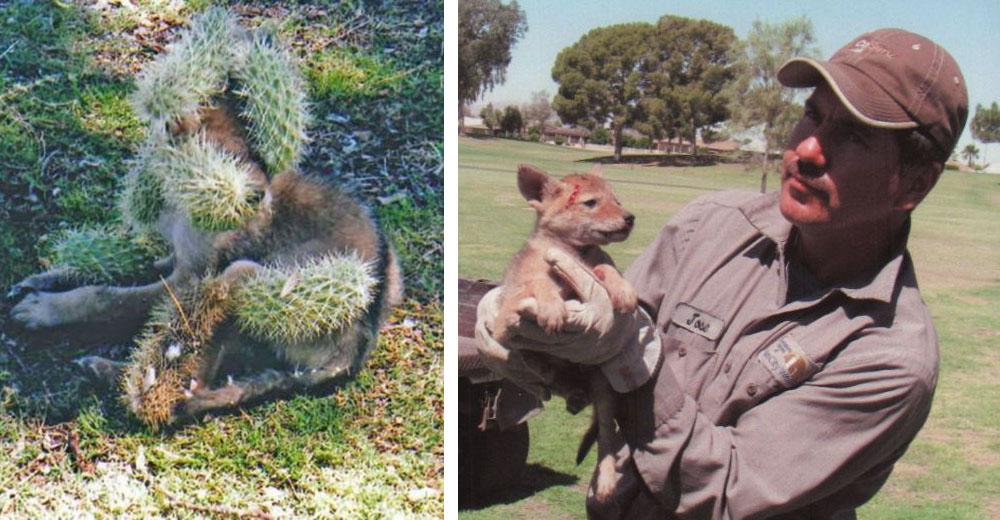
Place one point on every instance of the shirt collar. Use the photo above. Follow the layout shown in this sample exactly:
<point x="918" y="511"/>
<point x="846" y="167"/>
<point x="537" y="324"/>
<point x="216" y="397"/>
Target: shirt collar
<point x="764" y="214"/>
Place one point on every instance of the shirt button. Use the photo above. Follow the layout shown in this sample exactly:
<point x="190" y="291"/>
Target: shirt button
<point x="752" y="389"/>
<point x="681" y="352"/>
<point x="728" y="366"/>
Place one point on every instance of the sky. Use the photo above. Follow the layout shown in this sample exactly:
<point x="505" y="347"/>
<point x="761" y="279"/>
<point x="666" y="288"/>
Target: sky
<point x="968" y="29"/>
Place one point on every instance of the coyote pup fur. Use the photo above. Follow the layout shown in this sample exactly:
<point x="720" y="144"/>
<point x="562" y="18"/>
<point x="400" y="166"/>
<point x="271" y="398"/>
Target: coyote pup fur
<point x="300" y="218"/>
<point x="577" y="215"/>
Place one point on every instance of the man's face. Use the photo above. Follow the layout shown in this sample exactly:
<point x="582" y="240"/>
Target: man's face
<point x="837" y="173"/>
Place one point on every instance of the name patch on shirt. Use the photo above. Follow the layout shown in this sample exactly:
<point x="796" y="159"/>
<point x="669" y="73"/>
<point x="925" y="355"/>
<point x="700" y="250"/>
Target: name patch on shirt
<point x="787" y="362"/>
<point x="697" y="321"/>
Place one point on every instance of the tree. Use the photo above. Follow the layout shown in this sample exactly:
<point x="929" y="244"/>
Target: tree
<point x="511" y="122"/>
<point x="690" y="71"/>
<point x="986" y="125"/>
<point x="758" y="98"/>
<point x="487" y="29"/>
<point x="539" y="110"/>
<point x="971" y="153"/>
<point x="490" y="117"/>
<point x="600" y="78"/>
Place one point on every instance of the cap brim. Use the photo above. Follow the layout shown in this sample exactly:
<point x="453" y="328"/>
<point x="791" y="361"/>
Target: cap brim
<point x="862" y="96"/>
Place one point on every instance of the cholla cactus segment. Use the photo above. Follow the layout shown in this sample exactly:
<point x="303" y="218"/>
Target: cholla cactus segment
<point x="215" y="188"/>
<point x="104" y="254"/>
<point x="304" y="303"/>
<point x="165" y="365"/>
<point x="141" y="200"/>
<point x="275" y="105"/>
<point x="192" y="71"/>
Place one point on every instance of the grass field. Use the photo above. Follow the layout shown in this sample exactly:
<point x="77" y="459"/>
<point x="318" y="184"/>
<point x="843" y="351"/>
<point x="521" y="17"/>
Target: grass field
<point x="952" y="469"/>
<point x="372" y="449"/>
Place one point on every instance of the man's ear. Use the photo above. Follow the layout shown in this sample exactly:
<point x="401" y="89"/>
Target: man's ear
<point x="533" y="183"/>
<point x="915" y="185"/>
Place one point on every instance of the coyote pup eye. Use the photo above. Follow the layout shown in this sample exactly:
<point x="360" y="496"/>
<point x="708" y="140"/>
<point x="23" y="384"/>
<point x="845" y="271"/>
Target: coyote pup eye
<point x="591" y="203"/>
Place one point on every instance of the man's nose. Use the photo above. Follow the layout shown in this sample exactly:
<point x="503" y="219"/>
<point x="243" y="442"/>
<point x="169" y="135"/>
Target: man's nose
<point x="810" y="151"/>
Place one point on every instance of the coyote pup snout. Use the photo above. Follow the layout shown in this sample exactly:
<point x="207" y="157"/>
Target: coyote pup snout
<point x="576" y="214"/>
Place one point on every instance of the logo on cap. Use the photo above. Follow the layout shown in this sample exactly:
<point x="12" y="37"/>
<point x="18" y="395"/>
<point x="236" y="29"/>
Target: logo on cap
<point x="861" y="46"/>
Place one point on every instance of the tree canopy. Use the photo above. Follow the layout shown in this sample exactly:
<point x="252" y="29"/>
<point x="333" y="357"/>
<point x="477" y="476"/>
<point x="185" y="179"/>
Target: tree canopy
<point x="971" y="153"/>
<point x="690" y="71"/>
<point x="664" y="80"/>
<point x="511" y="122"/>
<point x="759" y="99"/>
<point x="490" y="117"/>
<point x="986" y="124"/>
<point x="487" y="29"/>
<point x="600" y="78"/>
<point x="539" y="109"/>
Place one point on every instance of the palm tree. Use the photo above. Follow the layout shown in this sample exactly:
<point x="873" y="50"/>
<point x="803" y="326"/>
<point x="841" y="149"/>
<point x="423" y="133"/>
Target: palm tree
<point x="971" y="153"/>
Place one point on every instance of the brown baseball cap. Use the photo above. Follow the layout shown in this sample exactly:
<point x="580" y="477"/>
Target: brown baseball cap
<point x="891" y="78"/>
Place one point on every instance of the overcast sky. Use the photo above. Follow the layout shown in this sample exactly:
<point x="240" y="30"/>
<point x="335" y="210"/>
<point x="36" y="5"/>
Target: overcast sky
<point x="968" y="29"/>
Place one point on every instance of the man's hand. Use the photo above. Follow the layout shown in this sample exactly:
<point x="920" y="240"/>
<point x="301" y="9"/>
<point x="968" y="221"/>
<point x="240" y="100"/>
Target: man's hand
<point x="624" y="345"/>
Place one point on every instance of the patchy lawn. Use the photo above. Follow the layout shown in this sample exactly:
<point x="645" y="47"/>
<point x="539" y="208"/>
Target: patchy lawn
<point x="951" y="470"/>
<point x="374" y="448"/>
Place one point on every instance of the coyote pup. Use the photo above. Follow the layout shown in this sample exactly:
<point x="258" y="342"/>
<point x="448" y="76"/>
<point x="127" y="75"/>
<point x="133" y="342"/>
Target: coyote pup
<point x="226" y="100"/>
<point x="577" y="215"/>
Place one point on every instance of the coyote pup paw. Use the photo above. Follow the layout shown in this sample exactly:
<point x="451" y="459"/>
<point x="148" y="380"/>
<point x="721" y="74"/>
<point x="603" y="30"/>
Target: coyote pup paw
<point x="37" y="311"/>
<point x="623" y="296"/>
<point x="551" y="315"/>
<point x="604" y="488"/>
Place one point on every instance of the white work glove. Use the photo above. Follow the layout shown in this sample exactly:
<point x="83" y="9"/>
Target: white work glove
<point x="625" y="346"/>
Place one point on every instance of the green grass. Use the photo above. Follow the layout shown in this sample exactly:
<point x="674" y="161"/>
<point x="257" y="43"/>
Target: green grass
<point x="952" y="469"/>
<point x="372" y="449"/>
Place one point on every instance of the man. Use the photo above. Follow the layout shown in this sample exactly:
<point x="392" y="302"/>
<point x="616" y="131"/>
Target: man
<point x="782" y="359"/>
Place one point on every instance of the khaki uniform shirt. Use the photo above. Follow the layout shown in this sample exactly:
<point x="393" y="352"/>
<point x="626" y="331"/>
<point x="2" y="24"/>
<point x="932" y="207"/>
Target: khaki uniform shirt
<point x="787" y="399"/>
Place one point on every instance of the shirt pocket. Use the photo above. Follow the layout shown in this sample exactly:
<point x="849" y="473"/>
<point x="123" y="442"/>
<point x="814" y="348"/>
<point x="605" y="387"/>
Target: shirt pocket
<point x="691" y="357"/>
<point x="779" y="365"/>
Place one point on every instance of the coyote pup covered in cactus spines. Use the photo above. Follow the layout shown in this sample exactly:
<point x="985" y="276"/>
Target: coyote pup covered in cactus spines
<point x="576" y="214"/>
<point x="276" y="282"/>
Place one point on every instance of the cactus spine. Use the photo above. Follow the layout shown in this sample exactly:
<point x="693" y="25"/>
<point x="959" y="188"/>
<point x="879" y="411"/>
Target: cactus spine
<point x="164" y="367"/>
<point x="192" y="71"/>
<point x="303" y="303"/>
<point x="103" y="254"/>
<point x="274" y="103"/>
<point x="212" y="186"/>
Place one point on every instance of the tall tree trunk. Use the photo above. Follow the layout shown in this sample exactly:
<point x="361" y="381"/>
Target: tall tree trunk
<point x="618" y="143"/>
<point x="694" y="141"/>
<point x="461" y="117"/>
<point x="763" y="170"/>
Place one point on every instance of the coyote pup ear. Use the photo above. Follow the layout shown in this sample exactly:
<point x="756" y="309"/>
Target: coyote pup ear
<point x="596" y="171"/>
<point x="534" y="184"/>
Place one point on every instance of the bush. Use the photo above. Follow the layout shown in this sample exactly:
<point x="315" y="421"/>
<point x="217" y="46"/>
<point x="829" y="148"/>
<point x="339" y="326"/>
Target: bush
<point x="600" y="135"/>
<point x="535" y="133"/>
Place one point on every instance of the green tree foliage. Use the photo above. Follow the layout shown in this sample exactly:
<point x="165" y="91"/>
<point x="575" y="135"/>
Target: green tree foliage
<point x="689" y="73"/>
<point x="970" y="153"/>
<point x="512" y="121"/>
<point x="487" y="29"/>
<point x="758" y="99"/>
<point x="601" y="77"/>
<point x="600" y="135"/>
<point x="490" y="117"/>
<point x="986" y="124"/>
